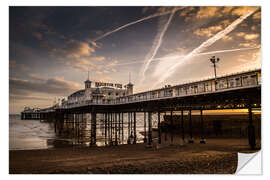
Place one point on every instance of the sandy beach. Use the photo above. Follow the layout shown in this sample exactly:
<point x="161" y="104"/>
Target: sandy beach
<point x="217" y="156"/>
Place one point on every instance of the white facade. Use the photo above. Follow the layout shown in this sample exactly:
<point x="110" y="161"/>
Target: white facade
<point x="101" y="94"/>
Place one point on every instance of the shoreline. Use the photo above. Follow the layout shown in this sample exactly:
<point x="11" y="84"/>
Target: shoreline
<point x="214" y="157"/>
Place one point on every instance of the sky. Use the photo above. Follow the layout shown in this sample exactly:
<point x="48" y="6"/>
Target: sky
<point x="51" y="49"/>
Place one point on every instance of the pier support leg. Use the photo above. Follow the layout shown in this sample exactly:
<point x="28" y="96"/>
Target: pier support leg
<point x="115" y="129"/>
<point x="166" y="130"/>
<point x="182" y="127"/>
<point x="134" y="128"/>
<point x="202" y="128"/>
<point x="119" y="127"/>
<point x="159" y="129"/>
<point x="190" y="128"/>
<point x="110" y="128"/>
<point x="150" y="129"/>
<point x="128" y="140"/>
<point x="251" y="130"/>
<point x="122" y="119"/>
<point x="171" y="127"/>
<point x="106" y="120"/>
<point x="144" y="125"/>
<point x="93" y="128"/>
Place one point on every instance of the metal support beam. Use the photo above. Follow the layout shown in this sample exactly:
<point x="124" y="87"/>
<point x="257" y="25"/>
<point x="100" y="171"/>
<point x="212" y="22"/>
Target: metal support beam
<point x="171" y="127"/>
<point x="149" y="128"/>
<point x="159" y="129"/>
<point x="134" y="127"/>
<point x="202" y="128"/>
<point x="122" y="127"/>
<point x="144" y="125"/>
<point x="93" y="128"/>
<point x="182" y="126"/>
<point x="115" y="129"/>
<point x="128" y="141"/>
<point x="251" y="130"/>
<point x="106" y="127"/>
<point x="190" y="128"/>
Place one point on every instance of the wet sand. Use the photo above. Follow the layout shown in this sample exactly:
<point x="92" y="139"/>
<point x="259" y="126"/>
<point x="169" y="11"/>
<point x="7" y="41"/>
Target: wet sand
<point x="218" y="156"/>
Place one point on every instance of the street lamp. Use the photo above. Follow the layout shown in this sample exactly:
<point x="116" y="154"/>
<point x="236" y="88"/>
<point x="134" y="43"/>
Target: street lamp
<point x="214" y="60"/>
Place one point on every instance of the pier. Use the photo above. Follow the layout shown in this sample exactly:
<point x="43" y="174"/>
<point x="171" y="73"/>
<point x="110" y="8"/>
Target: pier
<point x="235" y="91"/>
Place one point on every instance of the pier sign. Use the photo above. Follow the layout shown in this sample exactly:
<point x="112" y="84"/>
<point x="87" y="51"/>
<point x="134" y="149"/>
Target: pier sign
<point x="99" y="84"/>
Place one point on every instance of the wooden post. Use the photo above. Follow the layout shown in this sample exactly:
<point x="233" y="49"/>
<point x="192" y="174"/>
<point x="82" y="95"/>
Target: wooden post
<point x="134" y="127"/>
<point x="150" y="128"/>
<point x="251" y="130"/>
<point x="122" y="127"/>
<point x="159" y="129"/>
<point x="202" y="128"/>
<point x="190" y="128"/>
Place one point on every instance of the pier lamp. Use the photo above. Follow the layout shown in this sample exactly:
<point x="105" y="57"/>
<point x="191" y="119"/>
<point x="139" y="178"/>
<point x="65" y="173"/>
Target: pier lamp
<point x="214" y="60"/>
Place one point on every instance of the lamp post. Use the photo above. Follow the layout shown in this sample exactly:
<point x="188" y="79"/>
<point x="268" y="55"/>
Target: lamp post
<point x="214" y="60"/>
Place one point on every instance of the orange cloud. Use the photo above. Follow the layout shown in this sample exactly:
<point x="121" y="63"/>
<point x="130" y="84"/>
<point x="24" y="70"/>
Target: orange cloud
<point x="37" y="35"/>
<point x="243" y="10"/>
<point x="76" y="49"/>
<point x="206" y="12"/>
<point x="208" y="32"/>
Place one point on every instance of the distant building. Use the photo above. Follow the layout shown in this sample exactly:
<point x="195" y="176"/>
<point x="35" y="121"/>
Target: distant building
<point x="101" y="93"/>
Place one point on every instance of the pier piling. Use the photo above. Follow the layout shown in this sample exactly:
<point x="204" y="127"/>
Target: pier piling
<point x="159" y="129"/>
<point x="150" y="128"/>
<point x="202" y="128"/>
<point x="190" y="128"/>
<point x="251" y="130"/>
<point x="134" y="128"/>
<point x="93" y="128"/>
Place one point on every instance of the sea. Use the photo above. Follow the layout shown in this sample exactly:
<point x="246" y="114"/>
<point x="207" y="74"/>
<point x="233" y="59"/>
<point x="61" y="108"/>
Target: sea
<point x="29" y="134"/>
<point x="36" y="134"/>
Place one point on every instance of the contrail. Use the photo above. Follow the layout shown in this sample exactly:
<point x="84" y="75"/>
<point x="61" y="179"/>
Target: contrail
<point x="180" y="56"/>
<point x="155" y="47"/>
<point x="204" y="45"/>
<point x="135" y="22"/>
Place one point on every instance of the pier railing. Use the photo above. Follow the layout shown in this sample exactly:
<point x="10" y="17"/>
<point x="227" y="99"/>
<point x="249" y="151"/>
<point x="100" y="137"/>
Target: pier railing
<point x="225" y="83"/>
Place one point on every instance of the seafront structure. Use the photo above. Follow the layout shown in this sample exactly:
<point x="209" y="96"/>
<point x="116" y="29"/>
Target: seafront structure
<point x="234" y="91"/>
<point x="102" y="93"/>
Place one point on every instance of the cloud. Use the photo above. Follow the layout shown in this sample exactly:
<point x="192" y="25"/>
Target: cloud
<point x="239" y="11"/>
<point x="53" y="86"/>
<point x="249" y="44"/>
<point x="251" y="36"/>
<point x="246" y="36"/>
<point x="77" y="49"/>
<point x="46" y="44"/>
<point x="14" y="65"/>
<point x="240" y="34"/>
<point x="257" y="16"/>
<point x="112" y="63"/>
<point x="36" y="77"/>
<point x="105" y="79"/>
<point x="23" y="98"/>
<point x="206" y="12"/>
<point x="37" y="35"/>
<point x="208" y="32"/>
<point x="227" y="38"/>
<point x="99" y="32"/>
